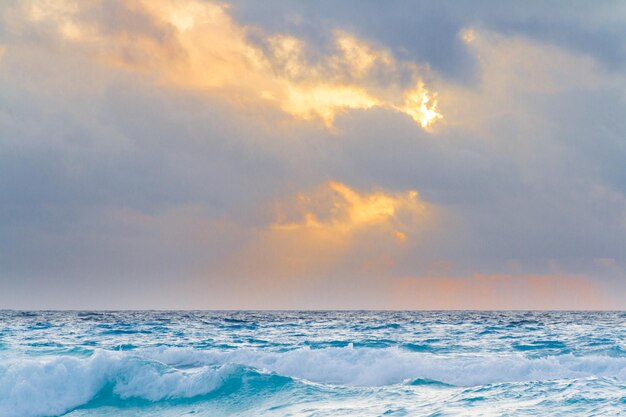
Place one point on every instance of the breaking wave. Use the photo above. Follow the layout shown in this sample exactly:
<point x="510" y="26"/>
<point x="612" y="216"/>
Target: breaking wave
<point x="47" y="386"/>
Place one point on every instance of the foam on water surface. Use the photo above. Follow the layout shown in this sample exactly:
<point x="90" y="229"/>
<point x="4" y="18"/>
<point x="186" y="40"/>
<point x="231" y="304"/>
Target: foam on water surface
<point x="311" y="363"/>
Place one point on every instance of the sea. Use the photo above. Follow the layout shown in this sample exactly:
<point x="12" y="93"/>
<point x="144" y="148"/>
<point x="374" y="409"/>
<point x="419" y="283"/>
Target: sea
<point x="312" y="363"/>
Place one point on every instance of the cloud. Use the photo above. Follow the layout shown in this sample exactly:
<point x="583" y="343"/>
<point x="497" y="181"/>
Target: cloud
<point x="515" y="78"/>
<point x="198" y="45"/>
<point x="501" y="292"/>
<point x="189" y="145"/>
<point x="334" y="228"/>
<point x="343" y="210"/>
<point x="426" y="31"/>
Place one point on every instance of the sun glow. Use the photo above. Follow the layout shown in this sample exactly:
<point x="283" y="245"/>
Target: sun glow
<point x="323" y="228"/>
<point x="421" y="107"/>
<point x="325" y="101"/>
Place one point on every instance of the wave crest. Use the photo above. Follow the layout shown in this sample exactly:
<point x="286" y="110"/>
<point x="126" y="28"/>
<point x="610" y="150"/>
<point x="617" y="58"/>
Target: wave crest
<point x="53" y="385"/>
<point x="385" y="366"/>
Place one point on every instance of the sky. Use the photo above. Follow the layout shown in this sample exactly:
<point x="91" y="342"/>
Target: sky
<point x="191" y="154"/>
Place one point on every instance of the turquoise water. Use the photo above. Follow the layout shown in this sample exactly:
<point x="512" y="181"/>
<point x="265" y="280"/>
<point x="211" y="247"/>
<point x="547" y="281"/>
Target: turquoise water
<point x="151" y="363"/>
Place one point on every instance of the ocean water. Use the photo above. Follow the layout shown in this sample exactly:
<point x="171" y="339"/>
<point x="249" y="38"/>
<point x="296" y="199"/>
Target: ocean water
<point x="151" y="363"/>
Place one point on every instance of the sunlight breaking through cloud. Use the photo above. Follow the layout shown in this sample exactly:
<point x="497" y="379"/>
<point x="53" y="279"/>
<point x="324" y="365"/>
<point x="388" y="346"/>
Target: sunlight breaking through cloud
<point x="199" y="45"/>
<point x="338" y="210"/>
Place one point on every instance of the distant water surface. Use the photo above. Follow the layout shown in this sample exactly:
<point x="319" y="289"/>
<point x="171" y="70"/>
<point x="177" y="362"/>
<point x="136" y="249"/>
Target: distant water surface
<point x="153" y="363"/>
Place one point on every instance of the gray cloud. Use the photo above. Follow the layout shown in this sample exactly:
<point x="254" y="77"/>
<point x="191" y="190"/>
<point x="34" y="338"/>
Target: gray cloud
<point x="115" y="184"/>
<point x="428" y="31"/>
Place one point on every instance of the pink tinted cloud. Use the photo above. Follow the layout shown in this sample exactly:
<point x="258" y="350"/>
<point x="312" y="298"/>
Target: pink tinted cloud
<point x="495" y="292"/>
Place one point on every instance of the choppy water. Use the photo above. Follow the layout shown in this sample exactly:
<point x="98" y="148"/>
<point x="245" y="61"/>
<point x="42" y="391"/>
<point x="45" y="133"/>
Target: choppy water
<point x="312" y="363"/>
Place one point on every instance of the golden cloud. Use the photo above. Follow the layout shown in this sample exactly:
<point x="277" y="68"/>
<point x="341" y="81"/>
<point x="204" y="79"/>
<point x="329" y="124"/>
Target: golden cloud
<point x="331" y="228"/>
<point x="198" y="45"/>
<point x="468" y="35"/>
<point x="337" y="210"/>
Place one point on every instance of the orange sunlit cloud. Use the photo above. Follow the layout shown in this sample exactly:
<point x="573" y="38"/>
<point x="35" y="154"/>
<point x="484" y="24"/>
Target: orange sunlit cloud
<point x="332" y="226"/>
<point x="338" y="210"/>
<point x="199" y="45"/>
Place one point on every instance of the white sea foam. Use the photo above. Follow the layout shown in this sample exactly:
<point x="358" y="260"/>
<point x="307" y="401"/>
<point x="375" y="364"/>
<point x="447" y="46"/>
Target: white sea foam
<point x="50" y="386"/>
<point x="377" y="367"/>
<point x="53" y="385"/>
